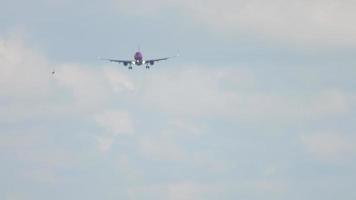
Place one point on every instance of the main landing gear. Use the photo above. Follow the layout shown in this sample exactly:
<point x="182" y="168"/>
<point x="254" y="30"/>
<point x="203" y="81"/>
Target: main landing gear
<point x="130" y="67"/>
<point x="147" y="67"/>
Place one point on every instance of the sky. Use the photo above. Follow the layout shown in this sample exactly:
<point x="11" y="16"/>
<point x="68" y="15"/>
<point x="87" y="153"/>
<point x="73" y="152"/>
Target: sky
<point x="261" y="103"/>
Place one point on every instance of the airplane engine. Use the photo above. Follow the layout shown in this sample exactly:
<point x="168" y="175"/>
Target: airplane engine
<point x="152" y="62"/>
<point x="125" y="63"/>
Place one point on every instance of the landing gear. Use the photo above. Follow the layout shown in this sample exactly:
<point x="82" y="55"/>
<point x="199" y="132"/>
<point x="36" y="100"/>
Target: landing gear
<point x="147" y="67"/>
<point x="130" y="68"/>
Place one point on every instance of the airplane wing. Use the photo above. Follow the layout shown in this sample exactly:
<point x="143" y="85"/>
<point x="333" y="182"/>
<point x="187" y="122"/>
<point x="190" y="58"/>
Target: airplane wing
<point x="159" y="59"/>
<point x="156" y="60"/>
<point x="125" y="62"/>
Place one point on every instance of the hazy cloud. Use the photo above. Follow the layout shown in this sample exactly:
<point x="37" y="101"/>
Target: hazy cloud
<point x="176" y="132"/>
<point x="161" y="149"/>
<point x="306" y="23"/>
<point x="196" y="91"/>
<point x="117" y="122"/>
<point x="328" y="146"/>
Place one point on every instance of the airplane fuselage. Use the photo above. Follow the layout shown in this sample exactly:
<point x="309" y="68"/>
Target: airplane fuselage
<point x="138" y="58"/>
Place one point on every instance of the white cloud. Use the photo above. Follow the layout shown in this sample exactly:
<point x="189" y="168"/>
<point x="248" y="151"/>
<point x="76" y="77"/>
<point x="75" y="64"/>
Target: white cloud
<point x="191" y="190"/>
<point x="27" y="88"/>
<point x="87" y="85"/>
<point x="187" y="191"/>
<point x="185" y="93"/>
<point x="25" y="81"/>
<point x="332" y="147"/>
<point x="310" y="22"/>
<point x="41" y="159"/>
<point x="207" y="161"/>
<point x="191" y="90"/>
<point x="261" y="188"/>
<point x="184" y="126"/>
<point x="176" y="191"/>
<point x="92" y="87"/>
<point x="117" y="122"/>
<point x="26" y="91"/>
<point x="161" y="148"/>
<point x="24" y="73"/>
<point x="196" y="91"/>
<point x="118" y="81"/>
<point x="29" y="92"/>
<point x="105" y="143"/>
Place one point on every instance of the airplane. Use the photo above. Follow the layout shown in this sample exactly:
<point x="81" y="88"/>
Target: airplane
<point x="138" y="61"/>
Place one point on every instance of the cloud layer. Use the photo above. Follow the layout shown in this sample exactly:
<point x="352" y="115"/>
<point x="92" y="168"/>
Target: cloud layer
<point x="305" y="23"/>
<point x="188" y="131"/>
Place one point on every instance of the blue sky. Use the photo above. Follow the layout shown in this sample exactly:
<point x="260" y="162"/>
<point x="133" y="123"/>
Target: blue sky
<point x="260" y="104"/>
